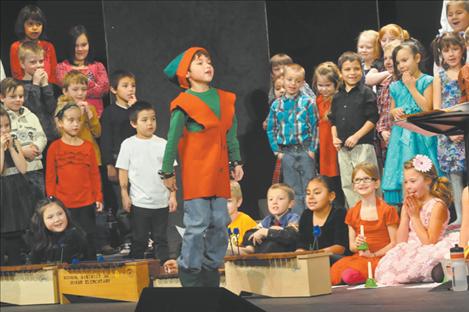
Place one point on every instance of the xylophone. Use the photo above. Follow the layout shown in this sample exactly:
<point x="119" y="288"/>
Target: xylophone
<point x="172" y="279"/>
<point x="289" y="274"/>
<point x="29" y="284"/>
<point x="114" y="280"/>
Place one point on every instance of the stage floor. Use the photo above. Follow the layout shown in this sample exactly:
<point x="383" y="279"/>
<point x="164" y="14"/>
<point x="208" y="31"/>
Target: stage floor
<point x="408" y="298"/>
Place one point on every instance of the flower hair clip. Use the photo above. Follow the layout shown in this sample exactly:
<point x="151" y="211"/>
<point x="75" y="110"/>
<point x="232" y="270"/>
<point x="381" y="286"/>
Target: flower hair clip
<point x="422" y="163"/>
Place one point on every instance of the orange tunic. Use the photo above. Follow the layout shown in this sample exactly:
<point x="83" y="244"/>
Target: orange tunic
<point x="327" y="152"/>
<point x="204" y="154"/>
<point x="377" y="237"/>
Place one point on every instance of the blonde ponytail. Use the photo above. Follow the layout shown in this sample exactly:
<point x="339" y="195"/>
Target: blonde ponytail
<point x="441" y="189"/>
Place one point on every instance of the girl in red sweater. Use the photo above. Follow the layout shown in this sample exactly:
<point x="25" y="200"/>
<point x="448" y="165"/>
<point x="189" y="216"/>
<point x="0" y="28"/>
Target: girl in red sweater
<point x="30" y="25"/>
<point x="72" y="174"/>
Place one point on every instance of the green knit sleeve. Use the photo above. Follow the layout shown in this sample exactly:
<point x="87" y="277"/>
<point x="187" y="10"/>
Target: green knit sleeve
<point x="232" y="141"/>
<point x="176" y="128"/>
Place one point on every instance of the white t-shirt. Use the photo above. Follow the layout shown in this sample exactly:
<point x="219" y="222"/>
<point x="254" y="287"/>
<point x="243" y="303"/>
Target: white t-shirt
<point x="143" y="158"/>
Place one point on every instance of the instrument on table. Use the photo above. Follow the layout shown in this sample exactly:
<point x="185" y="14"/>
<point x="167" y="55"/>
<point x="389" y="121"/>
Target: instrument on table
<point x="115" y="280"/>
<point x="289" y="274"/>
<point x="165" y="279"/>
<point x="29" y="284"/>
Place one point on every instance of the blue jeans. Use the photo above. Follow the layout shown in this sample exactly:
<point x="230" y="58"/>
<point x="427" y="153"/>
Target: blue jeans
<point x="298" y="169"/>
<point x="206" y="238"/>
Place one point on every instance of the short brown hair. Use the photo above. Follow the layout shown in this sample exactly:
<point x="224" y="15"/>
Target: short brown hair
<point x="280" y="59"/>
<point x="9" y="85"/>
<point x="74" y="76"/>
<point x="296" y="68"/>
<point x="368" y="168"/>
<point x="29" y="47"/>
<point x="285" y="187"/>
<point x="235" y="190"/>
<point x="348" y="56"/>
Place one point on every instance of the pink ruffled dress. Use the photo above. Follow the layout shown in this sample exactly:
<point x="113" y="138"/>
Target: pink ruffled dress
<point x="411" y="261"/>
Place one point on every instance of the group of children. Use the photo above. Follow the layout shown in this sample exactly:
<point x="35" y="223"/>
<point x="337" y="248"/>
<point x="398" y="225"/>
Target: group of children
<point x="342" y="130"/>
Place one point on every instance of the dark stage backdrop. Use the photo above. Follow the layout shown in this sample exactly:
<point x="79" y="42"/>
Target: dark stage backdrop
<point x="144" y="37"/>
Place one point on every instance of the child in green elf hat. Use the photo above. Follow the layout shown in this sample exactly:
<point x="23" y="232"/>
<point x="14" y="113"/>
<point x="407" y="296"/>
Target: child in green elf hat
<point x="203" y="126"/>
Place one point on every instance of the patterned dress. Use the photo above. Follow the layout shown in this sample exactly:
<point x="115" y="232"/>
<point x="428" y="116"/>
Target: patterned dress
<point x="412" y="261"/>
<point x="451" y="156"/>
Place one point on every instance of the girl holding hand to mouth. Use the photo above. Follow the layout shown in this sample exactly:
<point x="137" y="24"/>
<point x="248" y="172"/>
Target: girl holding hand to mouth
<point x="421" y="243"/>
<point x="53" y="236"/>
<point x="30" y="25"/>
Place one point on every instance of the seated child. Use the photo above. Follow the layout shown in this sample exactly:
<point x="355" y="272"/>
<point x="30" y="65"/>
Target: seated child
<point x="322" y="213"/>
<point x="53" y="236"/>
<point x="378" y="221"/>
<point x="464" y="235"/>
<point x="277" y="232"/>
<point x="421" y="243"/>
<point x="239" y="219"/>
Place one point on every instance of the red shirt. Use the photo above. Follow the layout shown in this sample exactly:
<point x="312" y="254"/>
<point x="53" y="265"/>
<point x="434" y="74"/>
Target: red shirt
<point x="50" y="60"/>
<point x="72" y="174"/>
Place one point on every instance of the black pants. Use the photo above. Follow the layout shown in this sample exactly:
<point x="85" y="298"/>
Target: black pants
<point x="10" y="247"/>
<point x="144" y="221"/>
<point x="85" y="218"/>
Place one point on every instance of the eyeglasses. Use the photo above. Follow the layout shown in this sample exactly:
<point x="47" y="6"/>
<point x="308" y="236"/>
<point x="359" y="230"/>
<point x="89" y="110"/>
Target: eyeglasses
<point x="364" y="180"/>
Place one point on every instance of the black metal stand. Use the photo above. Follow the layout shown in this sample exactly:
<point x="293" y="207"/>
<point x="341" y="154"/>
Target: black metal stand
<point x="452" y="122"/>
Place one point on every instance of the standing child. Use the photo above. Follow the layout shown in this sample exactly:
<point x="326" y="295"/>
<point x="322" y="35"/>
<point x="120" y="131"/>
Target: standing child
<point x="150" y="202"/>
<point x="387" y="33"/>
<point x="379" y="223"/>
<point x="75" y="88"/>
<point x="278" y="232"/>
<point x="80" y="57"/>
<point x="424" y="218"/>
<point x="72" y="173"/>
<point x="383" y="126"/>
<point x="53" y="236"/>
<point x="239" y="219"/>
<point x="203" y="123"/>
<point x="115" y="129"/>
<point x="412" y="93"/>
<point x="17" y="198"/>
<point x="38" y="93"/>
<point x="26" y="128"/>
<point x="323" y="214"/>
<point x="369" y="50"/>
<point x="279" y="91"/>
<point x="277" y="63"/>
<point x="463" y="77"/>
<point x="326" y="82"/>
<point x="30" y="26"/>
<point x="292" y="133"/>
<point x="353" y="116"/>
<point x="449" y="53"/>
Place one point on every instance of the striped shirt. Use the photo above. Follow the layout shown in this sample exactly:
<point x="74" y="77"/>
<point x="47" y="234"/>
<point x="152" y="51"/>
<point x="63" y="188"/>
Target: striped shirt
<point x="293" y="121"/>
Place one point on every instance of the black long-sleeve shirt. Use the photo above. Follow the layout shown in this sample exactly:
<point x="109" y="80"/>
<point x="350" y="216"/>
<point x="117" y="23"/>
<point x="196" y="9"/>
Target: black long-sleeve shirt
<point x="115" y="128"/>
<point x="333" y="232"/>
<point x="350" y="110"/>
<point x="41" y="101"/>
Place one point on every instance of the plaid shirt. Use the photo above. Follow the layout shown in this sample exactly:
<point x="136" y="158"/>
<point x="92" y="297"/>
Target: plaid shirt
<point x="293" y="121"/>
<point x="384" y="106"/>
